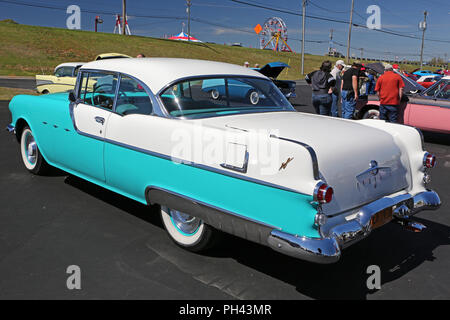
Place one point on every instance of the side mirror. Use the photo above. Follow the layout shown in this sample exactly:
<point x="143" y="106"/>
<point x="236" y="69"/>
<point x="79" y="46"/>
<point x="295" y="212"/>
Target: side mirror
<point x="72" y="97"/>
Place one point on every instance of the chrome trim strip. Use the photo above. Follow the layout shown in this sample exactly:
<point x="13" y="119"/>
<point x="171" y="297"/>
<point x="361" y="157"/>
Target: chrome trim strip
<point x="335" y="238"/>
<point x="311" y="151"/>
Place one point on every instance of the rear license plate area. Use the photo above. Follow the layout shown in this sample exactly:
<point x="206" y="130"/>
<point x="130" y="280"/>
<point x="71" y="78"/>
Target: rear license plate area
<point x="381" y="218"/>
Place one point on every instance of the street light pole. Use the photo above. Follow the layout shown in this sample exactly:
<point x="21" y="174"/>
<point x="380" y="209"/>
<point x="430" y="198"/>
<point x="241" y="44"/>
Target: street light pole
<point x="303" y="35"/>
<point x="350" y="32"/>
<point x="423" y="27"/>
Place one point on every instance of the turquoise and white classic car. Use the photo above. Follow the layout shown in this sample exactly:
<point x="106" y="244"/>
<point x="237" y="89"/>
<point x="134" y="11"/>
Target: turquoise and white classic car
<point x="305" y="185"/>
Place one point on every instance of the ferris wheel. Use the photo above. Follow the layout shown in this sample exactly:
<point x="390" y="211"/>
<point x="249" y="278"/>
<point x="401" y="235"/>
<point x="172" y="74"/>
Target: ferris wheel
<point x="274" y="35"/>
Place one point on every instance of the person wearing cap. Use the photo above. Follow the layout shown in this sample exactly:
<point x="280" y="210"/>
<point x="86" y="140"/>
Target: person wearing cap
<point x="349" y="90"/>
<point x="335" y="96"/>
<point x="390" y="90"/>
<point x="322" y="83"/>
<point x="246" y="64"/>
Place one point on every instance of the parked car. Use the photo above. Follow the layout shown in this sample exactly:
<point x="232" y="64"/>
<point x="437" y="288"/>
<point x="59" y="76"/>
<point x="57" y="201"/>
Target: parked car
<point x="237" y="89"/>
<point x="111" y="55"/>
<point x="426" y="109"/>
<point x="263" y="172"/>
<point x="63" y="78"/>
<point x="273" y="70"/>
<point x="421" y="73"/>
<point x="428" y="81"/>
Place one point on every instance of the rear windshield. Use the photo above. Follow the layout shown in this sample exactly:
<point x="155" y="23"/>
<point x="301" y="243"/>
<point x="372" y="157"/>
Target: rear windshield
<point x="209" y="97"/>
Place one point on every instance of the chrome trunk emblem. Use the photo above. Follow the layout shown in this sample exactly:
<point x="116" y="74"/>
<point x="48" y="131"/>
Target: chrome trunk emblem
<point x="373" y="175"/>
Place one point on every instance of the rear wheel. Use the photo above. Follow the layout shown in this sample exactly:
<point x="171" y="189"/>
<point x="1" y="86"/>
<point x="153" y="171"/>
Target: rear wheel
<point x="31" y="156"/>
<point x="215" y="94"/>
<point x="372" y="114"/>
<point x="187" y="231"/>
<point x="253" y="96"/>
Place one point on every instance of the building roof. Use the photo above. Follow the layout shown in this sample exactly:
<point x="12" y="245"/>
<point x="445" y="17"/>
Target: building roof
<point x="156" y="73"/>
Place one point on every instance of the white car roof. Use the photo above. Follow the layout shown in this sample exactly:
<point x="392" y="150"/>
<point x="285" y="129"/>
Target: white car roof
<point x="70" y="64"/>
<point x="157" y="73"/>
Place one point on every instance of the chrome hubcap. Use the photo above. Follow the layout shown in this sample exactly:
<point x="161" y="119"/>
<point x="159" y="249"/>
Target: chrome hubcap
<point x="184" y="222"/>
<point x="31" y="149"/>
<point x="254" y="97"/>
<point x="215" y="94"/>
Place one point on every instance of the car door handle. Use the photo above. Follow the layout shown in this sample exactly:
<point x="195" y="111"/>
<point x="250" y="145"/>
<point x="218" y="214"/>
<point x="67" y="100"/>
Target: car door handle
<point x="100" y="120"/>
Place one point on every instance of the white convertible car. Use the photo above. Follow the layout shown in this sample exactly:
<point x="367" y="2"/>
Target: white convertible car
<point x="247" y="164"/>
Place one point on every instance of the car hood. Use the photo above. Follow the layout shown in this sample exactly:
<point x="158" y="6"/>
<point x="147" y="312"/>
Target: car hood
<point x="344" y="149"/>
<point x="272" y="69"/>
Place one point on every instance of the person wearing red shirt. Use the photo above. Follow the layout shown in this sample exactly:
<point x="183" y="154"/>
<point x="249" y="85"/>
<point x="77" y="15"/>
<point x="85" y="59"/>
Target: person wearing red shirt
<point x="390" y="90"/>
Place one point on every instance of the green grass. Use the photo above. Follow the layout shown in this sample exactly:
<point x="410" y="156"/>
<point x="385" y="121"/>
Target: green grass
<point x="9" y="93"/>
<point x="29" y="50"/>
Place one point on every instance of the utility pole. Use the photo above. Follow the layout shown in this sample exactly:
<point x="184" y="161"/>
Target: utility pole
<point x="362" y="51"/>
<point x="423" y="27"/>
<point x="350" y="32"/>
<point x="124" y="15"/>
<point x="188" y="3"/>
<point x="330" y="46"/>
<point x="303" y="35"/>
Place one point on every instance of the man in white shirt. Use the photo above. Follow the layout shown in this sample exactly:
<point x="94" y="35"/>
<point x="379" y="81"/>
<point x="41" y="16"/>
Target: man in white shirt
<point x="336" y="95"/>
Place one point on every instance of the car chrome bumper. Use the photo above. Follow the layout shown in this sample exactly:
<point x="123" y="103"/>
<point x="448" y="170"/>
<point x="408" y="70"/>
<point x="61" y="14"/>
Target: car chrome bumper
<point x="10" y="128"/>
<point x="328" y="248"/>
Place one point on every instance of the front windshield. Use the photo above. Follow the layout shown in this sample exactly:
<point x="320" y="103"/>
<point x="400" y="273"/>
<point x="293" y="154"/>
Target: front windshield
<point x="209" y="97"/>
<point x="440" y="89"/>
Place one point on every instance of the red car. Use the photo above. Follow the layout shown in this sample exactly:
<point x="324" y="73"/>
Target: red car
<point x="428" y="81"/>
<point x="426" y="109"/>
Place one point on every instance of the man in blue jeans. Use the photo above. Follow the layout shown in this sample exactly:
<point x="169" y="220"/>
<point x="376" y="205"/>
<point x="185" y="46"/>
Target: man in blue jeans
<point x="349" y="90"/>
<point x="322" y="83"/>
<point x="390" y="90"/>
<point x="336" y="95"/>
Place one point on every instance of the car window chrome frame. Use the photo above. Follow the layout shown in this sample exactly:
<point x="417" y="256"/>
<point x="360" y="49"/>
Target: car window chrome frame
<point x="288" y="107"/>
<point x="156" y="106"/>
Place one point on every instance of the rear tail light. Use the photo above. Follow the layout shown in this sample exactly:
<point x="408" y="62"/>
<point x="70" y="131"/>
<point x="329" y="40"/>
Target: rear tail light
<point x="323" y="193"/>
<point x="429" y="160"/>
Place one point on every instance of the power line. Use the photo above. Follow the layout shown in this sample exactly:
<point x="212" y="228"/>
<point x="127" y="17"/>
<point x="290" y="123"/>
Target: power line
<point x="386" y="31"/>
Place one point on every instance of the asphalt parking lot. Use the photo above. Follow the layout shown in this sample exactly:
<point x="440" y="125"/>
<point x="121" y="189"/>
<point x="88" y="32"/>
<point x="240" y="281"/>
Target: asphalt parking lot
<point x="48" y="223"/>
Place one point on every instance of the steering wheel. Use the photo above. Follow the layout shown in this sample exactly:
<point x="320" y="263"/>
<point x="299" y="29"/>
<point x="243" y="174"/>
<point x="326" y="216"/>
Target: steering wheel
<point x="98" y="99"/>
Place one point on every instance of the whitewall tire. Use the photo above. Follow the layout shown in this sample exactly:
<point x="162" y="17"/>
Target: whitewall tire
<point x="31" y="156"/>
<point x="187" y="231"/>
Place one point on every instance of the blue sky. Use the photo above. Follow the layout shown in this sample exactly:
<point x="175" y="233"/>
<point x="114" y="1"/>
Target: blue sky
<point x="234" y="22"/>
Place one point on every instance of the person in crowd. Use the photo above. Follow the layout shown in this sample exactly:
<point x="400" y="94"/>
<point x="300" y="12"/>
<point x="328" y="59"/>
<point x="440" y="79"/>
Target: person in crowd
<point x="336" y="95"/>
<point x="140" y="55"/>
<point x="246" y="64"/>
<point x="349" y="90"/>
<point x="390" y="90"/>
<point x="322" y="83"/>
<point x="370" y="84"/>
<point x="256" y="65"/>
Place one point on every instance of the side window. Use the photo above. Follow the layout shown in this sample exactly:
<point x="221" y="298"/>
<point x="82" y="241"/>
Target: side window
<point x="132" y="98"/>
<point x="64" y="72"/>
<point x="98" y="89"/>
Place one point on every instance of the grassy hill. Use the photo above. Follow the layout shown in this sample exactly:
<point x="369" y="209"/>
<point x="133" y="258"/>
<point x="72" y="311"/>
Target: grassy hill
<point x="30" y="50"/>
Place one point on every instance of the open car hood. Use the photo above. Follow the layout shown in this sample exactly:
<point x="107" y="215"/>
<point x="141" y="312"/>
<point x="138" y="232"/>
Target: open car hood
<point x="411" y="86"/>
<point x="272" y="69"/>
